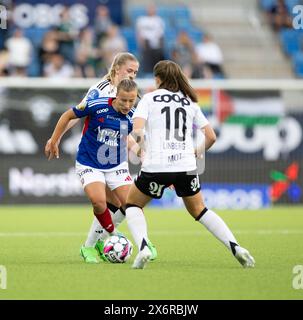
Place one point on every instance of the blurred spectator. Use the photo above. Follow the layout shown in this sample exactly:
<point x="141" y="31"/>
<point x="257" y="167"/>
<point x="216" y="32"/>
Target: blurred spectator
<point x="279" y="16"/>
<point x="86" y="54"/>
<point x="5" y="21"/>
<point x="183" y="53"/>
<point x="209" y="57"/>
<point x="66" y="34"/>
<point x="102" y="23"/>
<point x="19" y="53"/>
<point x="3" y="63"/>
<point x="49" y="47"/>
<point x="112" y="44"/>
<point x="150" y="32"/>
<point x="58" y="68"/>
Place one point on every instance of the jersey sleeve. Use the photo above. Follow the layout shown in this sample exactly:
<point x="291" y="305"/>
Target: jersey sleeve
<point x="81" y="110"/>
<point x="142" y="109"/>
<point x="93" y="93"/>
<point x="200" y="120"/>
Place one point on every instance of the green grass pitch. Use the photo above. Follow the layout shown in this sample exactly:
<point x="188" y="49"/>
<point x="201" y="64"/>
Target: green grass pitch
<point x="40" y="250"/>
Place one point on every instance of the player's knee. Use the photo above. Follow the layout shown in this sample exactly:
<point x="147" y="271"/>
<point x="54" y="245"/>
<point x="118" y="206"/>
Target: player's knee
<point x="99" y="205"/>
<point x="123" y="203"/>
<point x="196" y="210"/>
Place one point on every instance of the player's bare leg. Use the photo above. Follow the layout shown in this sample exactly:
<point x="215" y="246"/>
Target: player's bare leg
<point x="136" y="222"/>
<point x="103" y="221"/>
<point x="115" y="206"/>
<point x="97" y="234"/>
<point x="213" y="223"/>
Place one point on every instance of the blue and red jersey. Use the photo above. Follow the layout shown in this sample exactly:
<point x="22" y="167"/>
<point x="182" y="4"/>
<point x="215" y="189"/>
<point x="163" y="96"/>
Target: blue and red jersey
<point x="104" y="139"/>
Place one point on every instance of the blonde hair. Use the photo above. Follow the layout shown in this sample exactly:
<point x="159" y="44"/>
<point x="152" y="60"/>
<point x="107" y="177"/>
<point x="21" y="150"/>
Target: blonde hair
<point x="173" y="79"/>
<point x="120" y="59"/>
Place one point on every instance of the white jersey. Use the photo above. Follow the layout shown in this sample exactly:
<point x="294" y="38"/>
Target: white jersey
<point x="170" y="119"/>
<point x="101" y="89"/>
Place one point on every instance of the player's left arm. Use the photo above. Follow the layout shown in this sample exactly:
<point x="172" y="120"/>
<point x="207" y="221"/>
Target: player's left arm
<point x="206" y="138"/>
<point x="138" y="131"/>
<point x="206" y="135"/>
<point x="210" y="136"/>
<point x="133" y="146"/>
<point x="58" y="131"/>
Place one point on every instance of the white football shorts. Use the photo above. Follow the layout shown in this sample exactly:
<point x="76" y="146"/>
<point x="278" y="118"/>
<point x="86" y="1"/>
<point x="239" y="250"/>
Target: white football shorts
<point x="114" y="178"/>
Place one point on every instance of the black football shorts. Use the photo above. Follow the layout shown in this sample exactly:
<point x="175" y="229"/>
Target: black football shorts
<point x="153" y="184"/>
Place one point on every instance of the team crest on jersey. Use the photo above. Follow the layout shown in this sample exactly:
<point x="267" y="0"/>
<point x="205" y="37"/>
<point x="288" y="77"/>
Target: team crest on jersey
<point x="124" y="126"/>
<point x="93" y="94"/>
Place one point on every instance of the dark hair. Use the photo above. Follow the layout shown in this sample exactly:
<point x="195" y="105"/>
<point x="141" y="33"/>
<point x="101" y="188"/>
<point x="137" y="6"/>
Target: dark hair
<point x="127" y="85"/>
<point x="173" y="79"/>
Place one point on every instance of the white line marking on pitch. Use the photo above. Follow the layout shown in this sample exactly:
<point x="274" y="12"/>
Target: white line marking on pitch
<point x="161" y="233"/>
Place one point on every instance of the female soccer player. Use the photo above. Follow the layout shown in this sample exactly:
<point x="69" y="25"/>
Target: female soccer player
<point x="124" y="65"/>
<point x="102" y="152"/>
<point x="168" y="116"/>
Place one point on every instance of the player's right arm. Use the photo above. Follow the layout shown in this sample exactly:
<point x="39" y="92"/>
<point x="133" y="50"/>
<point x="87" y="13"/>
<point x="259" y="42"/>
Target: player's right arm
<point x="60" y="128"/>
<point x="70" y="125"/>
<point x="91" y="94"/>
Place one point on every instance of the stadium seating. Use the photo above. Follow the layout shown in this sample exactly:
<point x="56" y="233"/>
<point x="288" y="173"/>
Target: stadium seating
<point x="267" y="4"/>
<point x="176" y="19"/>
<point x="297" y="60"/>
<point x="130" y="36"/>
<point x="291" y="39"/>
<point x="291" y="3"/>
<point x="36" y="35"/>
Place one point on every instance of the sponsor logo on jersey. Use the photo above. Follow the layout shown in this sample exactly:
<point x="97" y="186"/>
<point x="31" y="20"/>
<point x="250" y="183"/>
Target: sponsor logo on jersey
<point x="108" y="136"/>
<point x="102" y="110"/>
<point x="171" y="97"/>
<point x="112" y="117"/>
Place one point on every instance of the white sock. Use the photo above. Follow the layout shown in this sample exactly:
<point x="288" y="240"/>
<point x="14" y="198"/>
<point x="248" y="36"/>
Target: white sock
<point x="117" y="217"/>
<point x="219" y="229"/>
<point x="137" y="225"/>
<point x="96" y="232"/>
